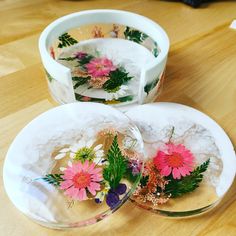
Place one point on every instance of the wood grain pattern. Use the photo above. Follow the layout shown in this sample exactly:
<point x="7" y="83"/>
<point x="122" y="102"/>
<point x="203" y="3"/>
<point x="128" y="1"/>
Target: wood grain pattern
<point x="201" y="72"/>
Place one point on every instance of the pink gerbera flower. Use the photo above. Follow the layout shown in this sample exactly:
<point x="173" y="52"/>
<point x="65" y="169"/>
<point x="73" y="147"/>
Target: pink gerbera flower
<point x="177" y="159"/>
<point x="99" y="67"/>
<point x="80" y="177"/>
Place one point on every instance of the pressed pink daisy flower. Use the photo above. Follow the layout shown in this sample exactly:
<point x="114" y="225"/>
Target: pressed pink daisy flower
<point x="98" y="82"/>
<point x="79" y="178"/>
<point x="99" y="67"/>
<point x="176" y="160"/>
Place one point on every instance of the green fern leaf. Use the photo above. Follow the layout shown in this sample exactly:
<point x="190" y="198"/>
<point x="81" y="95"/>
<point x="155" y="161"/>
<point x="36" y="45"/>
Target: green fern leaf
<point x="134" y="35"/>
<point x="66" y="40"/>
<point x="150" y="86"/>
<point x="80" y="81"/>
<point x="187" y="184"/>
<point x="117" y="166"/>
<point x="117" y="78"/>
<point x="54" y="179"/>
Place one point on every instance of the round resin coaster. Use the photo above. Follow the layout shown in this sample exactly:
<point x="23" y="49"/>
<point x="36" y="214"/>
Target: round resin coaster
<point x="74" y="165"/>
<point x="191" y="162"/>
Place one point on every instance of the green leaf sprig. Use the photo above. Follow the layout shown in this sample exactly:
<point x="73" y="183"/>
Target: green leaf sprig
<point x="116" y="79"/>
<point x="134" y="35"/>
<point x="117" y="166"/>
<point x="80" y="80"/>
<point x="66" y="40"/>
<point x="54" y="179"/>
<point x="176" y="188"/>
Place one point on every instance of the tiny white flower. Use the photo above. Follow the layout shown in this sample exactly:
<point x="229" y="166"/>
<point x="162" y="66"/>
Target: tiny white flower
<point x="120" y="93"/>
<point x="128" y="142"/>
<point x="62" y="168"/>
<point x="101" y="194"/>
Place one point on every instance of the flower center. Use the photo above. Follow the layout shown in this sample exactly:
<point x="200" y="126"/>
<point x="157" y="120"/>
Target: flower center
<point x="85" y="153"/>
<point x="81" y="180"/>
<point x="175" y="160"/>
<point x="99" y="66"/>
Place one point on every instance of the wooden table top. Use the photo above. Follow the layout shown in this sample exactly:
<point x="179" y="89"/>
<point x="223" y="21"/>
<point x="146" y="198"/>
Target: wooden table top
<point x="201" y="72"/>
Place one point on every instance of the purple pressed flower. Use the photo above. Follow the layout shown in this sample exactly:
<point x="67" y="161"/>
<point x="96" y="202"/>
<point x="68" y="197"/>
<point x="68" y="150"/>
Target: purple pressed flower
<point x="97" y="200"/>
<point x="80" y="55"/>
<point x="135" y="166"/>
<point x="121" y="189"/>
<point x="112" y="199"/>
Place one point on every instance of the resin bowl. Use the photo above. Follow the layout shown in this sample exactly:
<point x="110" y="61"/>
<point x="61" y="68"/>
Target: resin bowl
<point x="106" y="56"/>
<point x="191" y="162"/>
<point x="73" y="165"/>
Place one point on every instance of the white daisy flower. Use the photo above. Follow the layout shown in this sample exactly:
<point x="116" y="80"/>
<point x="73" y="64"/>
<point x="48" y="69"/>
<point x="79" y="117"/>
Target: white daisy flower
<point x="120" y="93"/>
<point x="84" y="150"/>
<point x="82" y="143"/>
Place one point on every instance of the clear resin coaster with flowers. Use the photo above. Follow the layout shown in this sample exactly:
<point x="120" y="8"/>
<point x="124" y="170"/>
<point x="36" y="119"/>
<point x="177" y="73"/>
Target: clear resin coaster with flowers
<point x="104" y="56"/>
<point x="74" y="165"/>
<point x="191" y="161"/>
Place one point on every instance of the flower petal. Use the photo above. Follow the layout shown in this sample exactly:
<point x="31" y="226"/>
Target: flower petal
<point x="91" y="167"/>
<point x="59" y="156"/>
<point x="166" y="171"/>
<point x="68" y="173"/>
<point x="176" y="173"/>
<point x="99" y="154"/>
<point x="99" y="146"/>
<point x="183" y="171"/>
<point x="93" y="187"/>
<point x="65" y="150"/>
<point x="85" y="165"/>
<point x="77" y="167"/>
<point x="95" y="171"/>
<point x="89" y="143"/>
<point x="72" y="192"/>
<point x="66" y="184"/>
<point x="83" y="194"/>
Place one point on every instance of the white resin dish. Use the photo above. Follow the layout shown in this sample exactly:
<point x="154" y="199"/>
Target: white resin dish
<point x="200" y="134"/>
<point x="131" y="56"/>
<point x="30" y="157"/>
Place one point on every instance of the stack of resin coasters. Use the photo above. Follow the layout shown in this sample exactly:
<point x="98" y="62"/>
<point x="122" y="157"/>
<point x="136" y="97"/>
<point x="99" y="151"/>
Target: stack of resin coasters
<point x="105" y="56"/>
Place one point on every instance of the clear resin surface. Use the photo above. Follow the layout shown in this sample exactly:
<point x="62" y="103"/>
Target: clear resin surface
<point x="74" y="165"/>
<point x="191" y="162"/>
